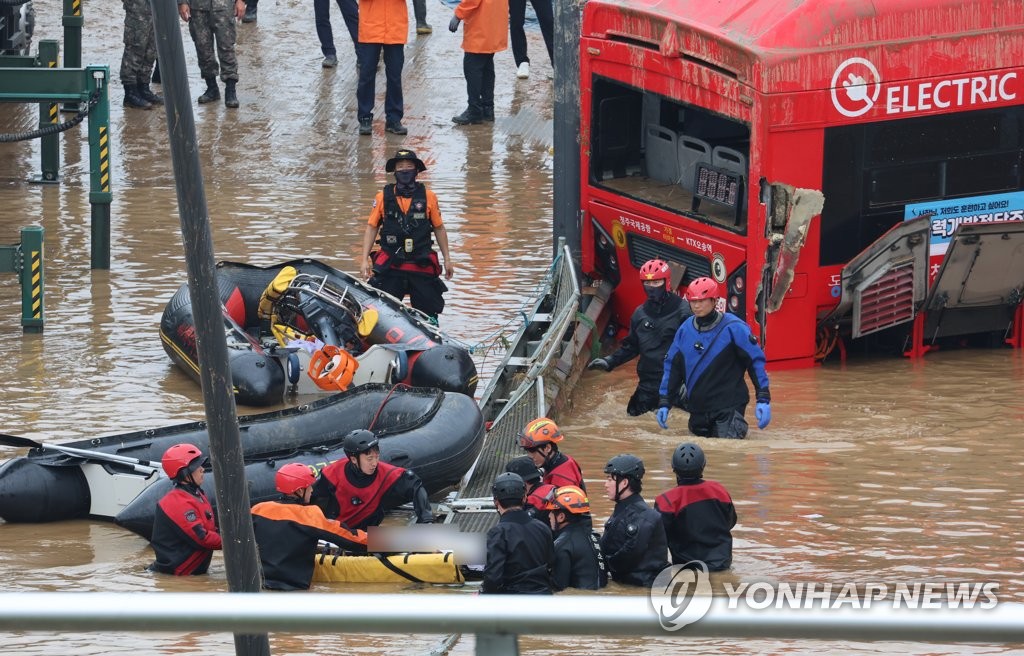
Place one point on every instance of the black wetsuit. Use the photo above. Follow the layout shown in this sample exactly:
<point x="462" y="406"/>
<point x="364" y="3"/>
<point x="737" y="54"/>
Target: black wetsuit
<point x="577" y="558"/>
<point x="634" y="544"/>
<point x="698" y="516"/>
<point x="519" y="556"/>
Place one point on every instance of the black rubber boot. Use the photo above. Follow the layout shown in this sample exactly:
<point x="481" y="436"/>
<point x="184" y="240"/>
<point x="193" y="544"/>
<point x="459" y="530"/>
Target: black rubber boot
<point x="250" y="14"/>
<point x="133" y="99"/>
<point x="212" y="92"/>
<point x="148" y="94"/>
<point x="230" y="97"/>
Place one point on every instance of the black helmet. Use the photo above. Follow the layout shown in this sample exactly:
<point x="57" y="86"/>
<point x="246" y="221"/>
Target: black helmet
<point x="626" y="465"/>
<point x="509" y="486"/>
<point x="523" y="465"/>
<point x="359" y="441"/>
<point x="688" y="460"/>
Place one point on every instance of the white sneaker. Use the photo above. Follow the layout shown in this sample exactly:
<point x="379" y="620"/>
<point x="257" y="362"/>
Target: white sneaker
<point x="523" y="71"/>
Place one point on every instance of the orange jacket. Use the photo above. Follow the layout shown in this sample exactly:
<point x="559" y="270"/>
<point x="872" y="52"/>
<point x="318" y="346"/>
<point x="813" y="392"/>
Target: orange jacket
<point x="485" y="28"/>
<point x="384" y="21"/>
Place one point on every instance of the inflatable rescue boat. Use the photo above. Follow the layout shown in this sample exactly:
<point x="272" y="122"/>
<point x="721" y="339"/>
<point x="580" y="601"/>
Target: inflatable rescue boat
<point x="437" y="434"/>
<point x="303" y="327"/>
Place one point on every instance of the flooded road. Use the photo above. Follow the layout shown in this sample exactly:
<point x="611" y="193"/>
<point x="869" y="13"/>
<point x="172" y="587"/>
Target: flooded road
<point x="880" y="471"/>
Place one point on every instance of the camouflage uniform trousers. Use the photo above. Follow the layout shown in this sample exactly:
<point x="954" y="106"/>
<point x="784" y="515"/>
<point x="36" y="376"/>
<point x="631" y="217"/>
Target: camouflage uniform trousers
<point x="139" y="42"/>
<point x="207" y="25"/>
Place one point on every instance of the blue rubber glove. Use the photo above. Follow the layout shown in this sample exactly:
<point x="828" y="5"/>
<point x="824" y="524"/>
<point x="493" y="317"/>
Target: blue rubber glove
<point x="662" y="415"/>
<point x="453" y="25"/>
<point x="763" y="412"/>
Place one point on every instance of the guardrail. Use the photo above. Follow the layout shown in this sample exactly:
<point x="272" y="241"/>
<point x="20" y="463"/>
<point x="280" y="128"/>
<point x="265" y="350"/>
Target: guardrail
<point x="26" y="260"/>
<point x="495" y="620"/>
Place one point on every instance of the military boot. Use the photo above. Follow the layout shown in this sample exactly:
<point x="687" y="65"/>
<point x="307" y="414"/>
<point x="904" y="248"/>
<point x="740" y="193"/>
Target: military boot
<point x="133" y="99"/>
<point x="148" y="94"/>
<point x="212" y="91"/>
<point x="230" y="97"/>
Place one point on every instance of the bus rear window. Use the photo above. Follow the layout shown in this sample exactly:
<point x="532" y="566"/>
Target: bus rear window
<point x="675" y="156"/>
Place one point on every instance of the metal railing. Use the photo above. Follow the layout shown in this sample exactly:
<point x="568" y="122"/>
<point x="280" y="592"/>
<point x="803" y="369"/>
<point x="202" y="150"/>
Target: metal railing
<point x="496" y="622"/>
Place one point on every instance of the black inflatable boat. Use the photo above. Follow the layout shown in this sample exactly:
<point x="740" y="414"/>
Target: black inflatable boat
<point x="262" y="373"/>
<point x="436" y="434"/>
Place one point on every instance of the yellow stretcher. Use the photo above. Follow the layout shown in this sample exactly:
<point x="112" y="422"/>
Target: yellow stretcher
<point x="387" y="568"/>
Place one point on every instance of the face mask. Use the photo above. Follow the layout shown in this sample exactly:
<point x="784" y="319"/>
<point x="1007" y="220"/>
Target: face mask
<point x="655" y="294"/>
<point x="406" y="177"/>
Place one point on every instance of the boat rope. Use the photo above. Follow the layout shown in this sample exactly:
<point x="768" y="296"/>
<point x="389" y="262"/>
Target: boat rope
<point x="380" y="409"/>
<point x="54" y="128"/>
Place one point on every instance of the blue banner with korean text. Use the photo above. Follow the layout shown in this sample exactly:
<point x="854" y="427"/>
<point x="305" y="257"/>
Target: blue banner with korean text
<point x="947" y="215"/>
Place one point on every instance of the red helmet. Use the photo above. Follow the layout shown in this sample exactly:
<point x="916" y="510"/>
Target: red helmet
<point x="656" y="270"/>
<point x="538" y="432"/>
<point x="181" y="456"/>
<point x="702" y="288"/>
<point x="570" y="499"/>
<point x="293" y="477"/>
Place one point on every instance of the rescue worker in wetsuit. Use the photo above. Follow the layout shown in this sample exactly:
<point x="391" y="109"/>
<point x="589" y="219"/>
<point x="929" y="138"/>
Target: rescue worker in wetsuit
<point x="537" y="492"/>
<point x="709" y="355"/>
<point x="287" y="531"/>
<point x="358" y="491"/>
<point x="407" y="217"/>
<point x="540" y="440"/>
<point x="578" y="562"/>
<point x="184" y="527"/>
<point x="633" y="544"/>
<point x="519" y="548"/>
<point x="698" y="515"/>
<point x="651" y="330"/>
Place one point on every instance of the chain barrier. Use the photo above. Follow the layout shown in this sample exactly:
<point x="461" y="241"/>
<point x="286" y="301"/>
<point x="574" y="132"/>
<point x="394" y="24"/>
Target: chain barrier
<point x="57" y="128"/>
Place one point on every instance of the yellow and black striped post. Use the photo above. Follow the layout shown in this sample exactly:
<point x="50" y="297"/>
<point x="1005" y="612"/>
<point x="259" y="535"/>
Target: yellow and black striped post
<point x="72" y="41"/>
<point x="49" y="146"/>
<point x="99" y="167"/>
<point x="31" y="276"/>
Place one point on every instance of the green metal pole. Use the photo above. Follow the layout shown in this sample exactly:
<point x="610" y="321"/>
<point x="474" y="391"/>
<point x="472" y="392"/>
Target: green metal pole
<point x="99" y="168"/>
<point x="49" y="145"/>
<point x="31" y="277"/>
<point x="73" y="22"/>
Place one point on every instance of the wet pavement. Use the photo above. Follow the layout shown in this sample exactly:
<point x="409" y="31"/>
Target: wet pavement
<point x="884" y="470"/>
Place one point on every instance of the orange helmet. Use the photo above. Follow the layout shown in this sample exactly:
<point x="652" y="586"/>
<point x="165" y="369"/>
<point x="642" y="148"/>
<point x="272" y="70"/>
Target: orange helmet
<point x="293" y="477"/>
<point x="181" y="458"/>
<point x="702" y="288"/>
<point x="656" y="270"/>
<point x="538" y="432"/>
<point x="569" y="499"/>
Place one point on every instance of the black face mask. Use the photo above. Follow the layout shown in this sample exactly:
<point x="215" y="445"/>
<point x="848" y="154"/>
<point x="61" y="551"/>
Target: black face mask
<point x="655" y="294"/>
<point x="406" y="180"/>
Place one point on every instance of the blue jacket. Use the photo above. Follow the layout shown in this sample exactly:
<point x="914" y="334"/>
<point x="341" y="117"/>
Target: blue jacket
<point x="710" y="362"/>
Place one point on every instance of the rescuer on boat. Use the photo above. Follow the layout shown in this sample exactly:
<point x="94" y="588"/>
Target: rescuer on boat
<point x="184" y="527"/>
<point x="540" y="439"/>
<point x="408" y="219"/>
<point x="651" y="330"/>
<point x="287" y="531"/>
<point x="358" y="491"/>
<point x="709" y="355"/>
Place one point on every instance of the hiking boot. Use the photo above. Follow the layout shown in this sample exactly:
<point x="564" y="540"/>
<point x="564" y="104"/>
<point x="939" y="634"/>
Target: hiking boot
<point x="469" y="117"/>
<point x="423" y="28"/>
<point x="212" y="92"/>
<point x="250" y="14"/>
<point x="133" y="99"/>
<point x="365" y="126"/>
<point x="396" y="128"/>
<point x="523" y="71"/>
<point x="148" y="94"/>
<point x="330" y="61"/>
<point x="230" y="97"/>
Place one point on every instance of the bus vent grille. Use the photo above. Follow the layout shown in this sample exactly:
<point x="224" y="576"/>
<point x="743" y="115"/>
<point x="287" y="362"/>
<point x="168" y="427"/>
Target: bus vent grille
<point x="887" y="302"/>
<point x="642" y="249"/>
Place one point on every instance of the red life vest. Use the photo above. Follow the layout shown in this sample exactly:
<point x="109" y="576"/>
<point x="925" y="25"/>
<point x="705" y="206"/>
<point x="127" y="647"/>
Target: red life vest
<point x="357" y="504"/>
<point x="538" y="497"/>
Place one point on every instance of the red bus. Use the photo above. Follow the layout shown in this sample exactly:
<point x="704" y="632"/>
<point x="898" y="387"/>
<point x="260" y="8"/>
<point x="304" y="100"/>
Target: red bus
<point x="850" y="171"/>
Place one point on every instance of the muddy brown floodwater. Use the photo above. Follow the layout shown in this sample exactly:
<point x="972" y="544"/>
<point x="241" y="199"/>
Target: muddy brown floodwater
<point x="887" y="470"/>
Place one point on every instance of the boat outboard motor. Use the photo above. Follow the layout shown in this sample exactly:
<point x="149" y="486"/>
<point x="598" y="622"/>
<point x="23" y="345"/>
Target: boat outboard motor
<point x="333" y="325"/>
